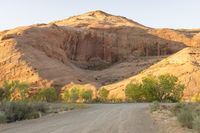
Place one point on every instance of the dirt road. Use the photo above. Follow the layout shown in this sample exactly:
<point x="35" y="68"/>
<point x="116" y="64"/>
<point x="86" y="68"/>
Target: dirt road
<point x="98" y="118"/>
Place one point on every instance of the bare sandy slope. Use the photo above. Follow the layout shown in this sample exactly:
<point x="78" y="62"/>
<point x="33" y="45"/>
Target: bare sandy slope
<point x="184" y="64"/>
<point x="101" y="118"/>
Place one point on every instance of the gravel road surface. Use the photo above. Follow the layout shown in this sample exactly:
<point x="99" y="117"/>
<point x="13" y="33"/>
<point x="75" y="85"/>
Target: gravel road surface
<point x="98" y="118"/>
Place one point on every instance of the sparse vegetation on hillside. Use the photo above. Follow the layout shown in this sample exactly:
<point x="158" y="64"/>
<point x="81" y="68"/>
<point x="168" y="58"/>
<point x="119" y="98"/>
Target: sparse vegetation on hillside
<point x="163" y="88"/>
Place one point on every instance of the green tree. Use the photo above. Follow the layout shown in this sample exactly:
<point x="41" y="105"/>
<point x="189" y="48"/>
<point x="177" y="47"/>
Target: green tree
<point x="162" y="88"/>
<point x="66" y="96"/>
<point x="169" y="88"/>
<point x="9" y="87"/>
<point x="87" y="95"/>
<point x="134" y="92"/>
<point x="150" y="86"/>
<point x="46" y="95"/>
<point x="103" y="94"/>
<point x="74" y="94"/>
<point x="23" y="89"/>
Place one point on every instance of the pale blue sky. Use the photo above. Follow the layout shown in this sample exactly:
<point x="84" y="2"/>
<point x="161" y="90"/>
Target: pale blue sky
<point x="153" y="13"/>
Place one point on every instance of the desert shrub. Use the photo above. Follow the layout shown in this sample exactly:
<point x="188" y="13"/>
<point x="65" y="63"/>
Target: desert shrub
<point x="197" y="109"/>
<point x="39" y="106"/>
<point x="2" y="117"/>
<point x="46" y="95"/>
<point x="177" y="108"/>
<point x="32" y="115"/>
<point x="74" y="94"/>
<point x="103" y="94"/>
<point x="164" y="88"/>
<point x="196" y="124"/>
<point x="188" y="115"/>
<point x="87" y="95"/>
<point x="15" y="111"/>
<point x="134" y="92"/>
<point x="154" y="106"/>
<point x="1" y="94"/>
<point x="185" y="117"/>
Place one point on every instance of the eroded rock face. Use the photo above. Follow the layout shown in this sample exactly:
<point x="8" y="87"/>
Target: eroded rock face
<point x="89" y="46"/>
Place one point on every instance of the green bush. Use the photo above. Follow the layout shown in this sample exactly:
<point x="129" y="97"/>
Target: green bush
<point x="134" y="92"/>
<point x="150" y="86"/>
<point x="196" y="124"/>
<point x="170" y="89"/>
<point x="23" y="89"/>
<point x="103" y="94"/>
<point x="46" y="95"/>
<point x="2" y="117"/>
<point x="87" y="95"/>
<point x="74" y="94"/>
<point x="9" y="87"/>
<point x="163" y="88"/>
<point x="66" y="96"/>
<point x="186" y="117"/>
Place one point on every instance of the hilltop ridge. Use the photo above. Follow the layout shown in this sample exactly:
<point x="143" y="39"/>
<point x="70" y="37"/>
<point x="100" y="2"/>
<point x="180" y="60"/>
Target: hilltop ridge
<point x="98" y="19"/>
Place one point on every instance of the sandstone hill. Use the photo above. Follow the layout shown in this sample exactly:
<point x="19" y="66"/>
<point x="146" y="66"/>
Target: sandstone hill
<point x="185" y="65"/>
<point x="95" y="48"/>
